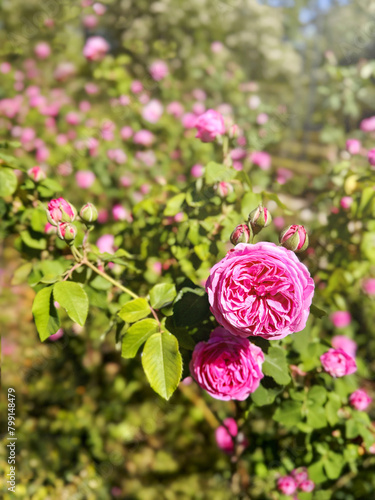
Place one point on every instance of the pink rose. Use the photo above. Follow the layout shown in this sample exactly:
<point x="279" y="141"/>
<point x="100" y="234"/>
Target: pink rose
<point x="262" y="159"/>
<point x="341" y="319"/>
<point x="159" y="70"/>
<point x="126" y="133"/>
<point x="136" y="87"/>
<point x="261" y="290"/>
<point x="188" y="120"/>
<point x="152" y="111"/>
<point x="106" y="243"/>
<point x="286" y="485"/>
<point x="85" y="179"/>
<point x="42" y="50"/>
<point x="95" y="48"/>
<point x="338" y="363"/>
<point x="120" y="213"/>
<point x="197" y="170"/>
<point x="59" y="210"/>
<point x="307" y="486"/>
<point x="299" y="475"/>
<point x="224" y="435"/>
<point x="345" y="343"/>
<point x="353" y="146"/>
<point x="283" y="175"/>
<point x="346" y="202"/>
<point x="368" y="124"/>
<point x="99" y="9"/>
<point x="36" y="174"/>
<point x="175" y="109"/>
<point x="227" y="367"/>
<point x="368" y="286"/>
<point x="144" y="138"/>
<point x="209" y="125"/>
<point x="360" y="400"/>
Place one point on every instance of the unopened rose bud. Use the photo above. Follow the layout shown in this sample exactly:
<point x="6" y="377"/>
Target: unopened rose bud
<point x="36" y="174"/>
<point x="88" y="213"/>
<point x="259" y="218"/>
<point x="66" y="231"/>
<point x="59" y="210"/>
<point x="294" y="238"/>
<point x="224" y="188"/>
<point x="241" y="234"/>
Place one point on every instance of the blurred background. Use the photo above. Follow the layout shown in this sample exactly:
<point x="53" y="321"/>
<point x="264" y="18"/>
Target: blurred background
<point x="297" y="77"/>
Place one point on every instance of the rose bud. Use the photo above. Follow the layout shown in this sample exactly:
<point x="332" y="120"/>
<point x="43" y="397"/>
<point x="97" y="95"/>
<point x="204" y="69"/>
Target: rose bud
<point x="241" y="234"/>
<point x="66" y="231"/>
<point x="360" y="400"/>
<point x="59" y="210"/>
<point x="49" y="229"/>
<point x="88" y="213"/>
<point x="259" y="218"/>
<point x="294" y="238"/>
<point x="36" y="174"/>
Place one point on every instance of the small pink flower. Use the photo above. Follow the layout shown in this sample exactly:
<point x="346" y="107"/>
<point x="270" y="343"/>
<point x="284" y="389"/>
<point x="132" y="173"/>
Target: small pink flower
<point x="216" y="47"/>
<point x="117" y="155"/>
<point x="307" y="486"/>
<point x="159" y="70"/>
<point x="338" y="363"/>
<point x="85" y="179"/>
<point x="84" y="106"/>
<point x="136" y="87"/>
<point x="341" y="319"/>
<point x="42" y="154"/>
<point x="157" y="267"/>
<point x="103" y="216"/>
<point x="224" y="435"/>
<point x="64" y="71"/>
<point x="227" y="367"/>
<point x="36" y="174"/>
<point x="120" y="213"/>
<point x="238" y="154"/>
<point x="371" y="157"/>
<point x="126" y="133"/>
<point x="153" y="111"/>
<point x="262" y="159"/>
<point x="49" y="228"/>
<point x="346" y="344"/>
<point x="197" y="170"/>
<point x="90" y="21"/>
<point x="209" y="126"/>
<point x="279" y="222"/>
<point x="286" y="485"/>
<point x="283" y="175"/>
<point x="91" y="88"/>
<point x="72" y="118"/>
<point x="346" y="202"/>
<point x="368" y="124"/>
<point x="96" y="48"/>
<point x="144" y="138"/>
<point x="353" y="146"/>
<point x="99" y="9"/>
<point x="147" y="158"/>
<point x="5" y="68"/>
<point x="262" y="118"/>
<point x="175" y="109"/>
<point x="360" y="400"/>
<point x="106" y="243"/>
<point x="224" y="188"/>
<point x="188" y="120"/>
<point x="199" y="108"/>
<point x="42" y="50"/>
<point x="299" y="475"/>
<point x="368" y="286"/>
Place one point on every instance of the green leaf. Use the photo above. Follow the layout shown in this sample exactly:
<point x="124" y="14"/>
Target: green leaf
<point x="216" y="172"/>
<point x="263" y="396"/>
<point x="73" y="298"/>
<point x="21" y="274"/>
<point x="136" y="335"/>
<point x="174" y="205"/>
<point x="162" y="294"/>
<point x="8" y="182"/>
<point x="332" y="407"/>
<point x="317" y="312"/>
<point x="134" y="310"/>
<point x="37" y="243"/>
<point x="191" y="307"/>
<point x="276" y="366"/>
<point x="45" y="314"/>
<point x="52" y="185"/>
<point x="289" y="413"/>
<point x="9" y="161"/>
<point x="162" y="363"/>
<point x="249" y="202"/>
<point x="333" y="464"/>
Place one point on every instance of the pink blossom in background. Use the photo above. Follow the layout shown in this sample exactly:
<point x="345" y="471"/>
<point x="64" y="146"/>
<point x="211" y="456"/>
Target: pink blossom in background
<point x="84" y="106"/>
<point x="136" y="87"/>
<point x="124" y="100"/>
<point x="197" y="170"/>
<point x="241" y="141"/>
<point x="368" y="286"/>
<point x="5" y="68"/>
<point x="148" y="158"/>
<point x="126" y="181"/>
<point x="27" y="135"/>
<point x="254" y="102"/>
<point x="116" y="491"/>
<point x="99" y="8"/>
<point x="216" y="47"/>
<point x="90" y="21"/>
<point x="224" y="435"/>
<point x="346" y="202"/>
<point x="199" y="94"/>
<point x="189" y="120"/>
<point x="286" y="485"/>
<point x="199" y="108"/>
<point x="42" y="154"/>
<point x="283" y="175"/>
<point x="224" y="188"/>
<point x="157" y="268"/>
<point x="92" y="145"/>
<point x="107" y="130"/>
<point x="338" y="363"/>
<point x="353" y="146"/>
<point x="126" y="133"/>
<point x="85" y="179"/>
<point x="360" y="400"/>
<point x="96" y="47"/>
<point x="32" y="90"/>
<point x="209" y="126"/>
<point x="72" y="118"/>
<point x="345" y="343"/>
<point x="237" y="165"/>
<point x="65" y="169"/>
<point x="227" y="367"/>
<point x="57" y="335"/>
<point x="246" y="303"/>
<point x="341" y="319"/>
<point x="145" y="188"/>
<point x="120" y="213"/>
<point x="368" y="124"/>
<point x="262" y="118"/>
<point x="64" y="71"/>
<point x="371" y="157"/>
<point x="262" y="159"/>
<point x="42" y="50"/>
<point x="144" y="98"/>
<point x="117" y="155"/>
<point x="307" y="486"/>
<point x="299" y="475"/>
<point x="159" y="70"/>
<point x="225" y="109"/>
<point x="179" y="217"/>
<point x="144" y="138"/>
<point x="153" y="111"/>
<point x="91" y="88"/>
<point x="103" y="216"/>
<point x="238" y="154"/>
<point x="106" y="243"/>
<point x="279" y="222"/>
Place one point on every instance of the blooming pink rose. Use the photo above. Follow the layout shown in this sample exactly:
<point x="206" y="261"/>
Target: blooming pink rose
<point x="144" y="137"/>
<point x="106" y="243"/>
<point x="353" y="146"/>
<point x="368" y="286"/>
<point x="360" y="400"/>
<point x="209" y="125"/>
<point x="286" y="485"/>
<point x="261" y="290"/>
<point x="338" y="363"/>
<point x="341" y="319"/>
<point x="307" y="486"/>
<point x="153" y="111"/>
<point x="224" y="435"/>
<point x="371" y="157"/>
<point x="159" y="70"/>
<point x="345" y="343"/>
<point x="227" y="367"/>
<point x="59" y="210"/>
<point x="85" y="179"/>
<point x="42" y="50"/>
<point x="95" y="48"/>
<point x="262" y="159"/>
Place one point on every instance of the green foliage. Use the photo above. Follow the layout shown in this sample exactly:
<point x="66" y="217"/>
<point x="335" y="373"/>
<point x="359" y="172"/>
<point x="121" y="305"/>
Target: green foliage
<point x="45" y="314"/>
<point x="135" y="310"/>
<point x="73" y="298"/>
